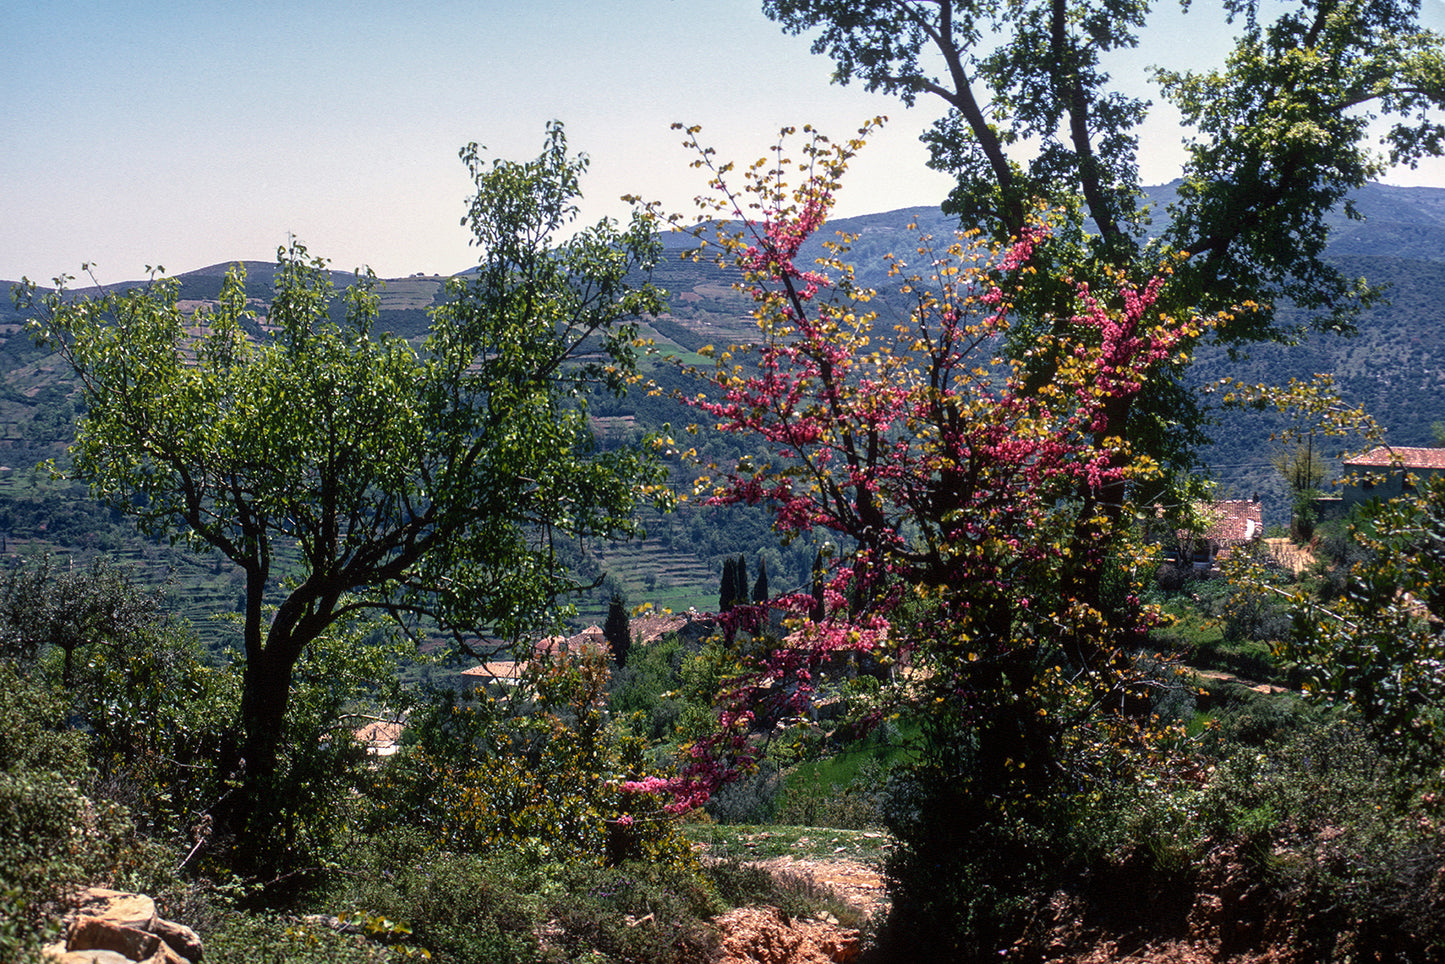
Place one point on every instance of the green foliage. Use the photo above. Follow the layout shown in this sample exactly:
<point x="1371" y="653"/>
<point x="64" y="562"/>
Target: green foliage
<point x="44" y="608"/>
<point x="1257" y="606"/>
<point x="271" y="939"/>
<point x="617" y="630"/>
<point x="52" y="833"/>
<point x="1303" y="470"/>
<point x="728" y="592"/>
<point x="535" y="770"/>
<point x="1379" y="646"/>
<point x="750" y="799"/>
<point x="423" y="483"/>
<point x="463" y="908"/>
<point x="1279" y="129"/>
<point x="643" y="694"/>
<point x="813" y="797"/>
<point x="1331" y="826"/>
<point x="1279" y="135"/>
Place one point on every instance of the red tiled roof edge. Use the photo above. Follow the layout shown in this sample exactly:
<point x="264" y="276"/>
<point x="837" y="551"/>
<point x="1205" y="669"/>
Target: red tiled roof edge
<point x="1406" y="457"/>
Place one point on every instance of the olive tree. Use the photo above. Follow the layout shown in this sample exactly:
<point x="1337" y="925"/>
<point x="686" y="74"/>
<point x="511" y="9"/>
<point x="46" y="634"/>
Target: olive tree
<point x="345" y="470"/>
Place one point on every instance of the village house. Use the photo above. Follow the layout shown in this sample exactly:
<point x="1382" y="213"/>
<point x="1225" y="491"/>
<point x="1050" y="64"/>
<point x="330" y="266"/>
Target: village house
<point x="1385" y="472"/>
<point x="1229" y="525"/>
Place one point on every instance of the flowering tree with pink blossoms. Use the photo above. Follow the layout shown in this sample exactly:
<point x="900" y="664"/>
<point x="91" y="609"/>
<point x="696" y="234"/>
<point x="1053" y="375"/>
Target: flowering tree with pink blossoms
<point x="985" y="569"/>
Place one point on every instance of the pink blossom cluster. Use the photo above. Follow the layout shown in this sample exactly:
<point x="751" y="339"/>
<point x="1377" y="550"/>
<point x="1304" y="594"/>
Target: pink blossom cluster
<point x="943" y="471"/>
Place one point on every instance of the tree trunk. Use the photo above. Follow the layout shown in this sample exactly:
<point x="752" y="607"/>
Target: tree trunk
<point x="246" y="820"/>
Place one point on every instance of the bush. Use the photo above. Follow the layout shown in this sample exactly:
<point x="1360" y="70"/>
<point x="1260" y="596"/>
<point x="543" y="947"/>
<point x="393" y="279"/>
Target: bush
<point x="463" y="908"/>
<point x="810" y="800"/>
<point x="52" y="835"/>
<point x="459" y="907"/>
<point x="636" y="912"/>
<point x="270" y="939"/>
<point x="539" y="770"/>
<point x="753" y="799"/>
<point x="1330" y="823"/>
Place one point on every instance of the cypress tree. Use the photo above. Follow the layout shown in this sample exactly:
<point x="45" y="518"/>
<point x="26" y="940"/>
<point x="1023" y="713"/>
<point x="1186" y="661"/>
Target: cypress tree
<point x="740" y="581"/>
<point x="617" y="630"/>
<point x="760" y="588"/>
<point x="727" y="594"/>
<point x="819" y="609"/>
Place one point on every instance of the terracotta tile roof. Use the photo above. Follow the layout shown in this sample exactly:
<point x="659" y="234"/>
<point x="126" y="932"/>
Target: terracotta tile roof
<point x="501" y="670"/>
<point x="1384" y="456"/>
<point x="510" y="671"/>
<point x="381" y="738"/>
<point x="1234" y="521"/>
<point x="651" y="627"/>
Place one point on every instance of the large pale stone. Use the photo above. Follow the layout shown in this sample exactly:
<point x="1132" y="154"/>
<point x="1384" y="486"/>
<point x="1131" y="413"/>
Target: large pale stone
<point x="165" y="954"/>
<point x="87" y="957"/>
<point x="95" y="933"/>
<point x="180" y="938"/>
<point x="117" y="907"/>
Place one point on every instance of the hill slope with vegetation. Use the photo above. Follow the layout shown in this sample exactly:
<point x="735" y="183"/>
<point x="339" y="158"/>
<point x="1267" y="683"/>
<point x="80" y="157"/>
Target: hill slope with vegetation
<point x="1394" y="365"/>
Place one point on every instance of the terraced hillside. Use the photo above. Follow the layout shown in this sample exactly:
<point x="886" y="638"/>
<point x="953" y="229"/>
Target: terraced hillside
<point x="1395" y="366"/>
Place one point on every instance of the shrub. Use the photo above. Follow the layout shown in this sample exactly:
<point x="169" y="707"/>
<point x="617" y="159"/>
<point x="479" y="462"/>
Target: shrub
<point x="270" y="939"/>
<point x="457" y="906"/>
<point x="753" y="799"/>
<point x="1329" y="823"/>
<point x="540" y="769"/>
<point x="811" y="800"/>
<point x="505" y="908"/>
<point x="52" y="835"/>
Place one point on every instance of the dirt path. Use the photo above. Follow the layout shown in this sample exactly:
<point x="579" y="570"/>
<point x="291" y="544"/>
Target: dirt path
<point x="857" y="885"/>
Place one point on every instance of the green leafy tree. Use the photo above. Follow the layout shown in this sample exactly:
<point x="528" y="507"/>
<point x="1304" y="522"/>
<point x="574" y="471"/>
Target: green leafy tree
<point x="534" y="769"/>
<point x="1277" y="138"/>
<point x="1278" y="132"/>
<point x="1303" y="469"/>
<point x="344" y="470"/>
<point x="43" y="607"/>
<point x="816" y="607"/>
<point x="1379" y="647"/>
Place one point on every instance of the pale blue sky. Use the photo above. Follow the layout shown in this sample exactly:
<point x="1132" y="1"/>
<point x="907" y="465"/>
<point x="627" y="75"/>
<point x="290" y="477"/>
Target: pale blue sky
<point x="190" y="132"/>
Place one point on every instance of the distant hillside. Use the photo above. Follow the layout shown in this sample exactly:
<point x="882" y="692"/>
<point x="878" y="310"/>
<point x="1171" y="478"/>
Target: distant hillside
<point x="1395" y="367"/>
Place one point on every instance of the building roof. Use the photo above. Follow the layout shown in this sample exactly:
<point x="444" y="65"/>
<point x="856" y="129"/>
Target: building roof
<point x="1234" y="521"/>
<point x="1400" y="456"/>
<point x="509" y="671"/>
<point x="502" y="670"/>
<point x="380" y="737"/>
<point x="652" y="626"/>
<point x="591" y="636"/>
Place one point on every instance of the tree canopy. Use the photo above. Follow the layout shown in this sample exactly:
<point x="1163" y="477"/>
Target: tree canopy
<point x="346" y="471"/>
<point x="1276" y="136"/>
<point x="972" y="509"/>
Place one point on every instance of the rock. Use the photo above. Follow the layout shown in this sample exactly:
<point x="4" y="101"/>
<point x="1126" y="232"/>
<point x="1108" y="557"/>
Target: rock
<point x="114" y="927"/>
<point x="87" y="957"/>
<point x="117" y="907"/>
<point x="95" y="933"/>
<point x="165" y="954"/>
<point x="179" y="938"/>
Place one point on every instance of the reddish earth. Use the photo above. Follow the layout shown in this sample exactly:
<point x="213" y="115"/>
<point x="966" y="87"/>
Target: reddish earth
<point x="760" y="934"/>
<point x="1227" y="921"/>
